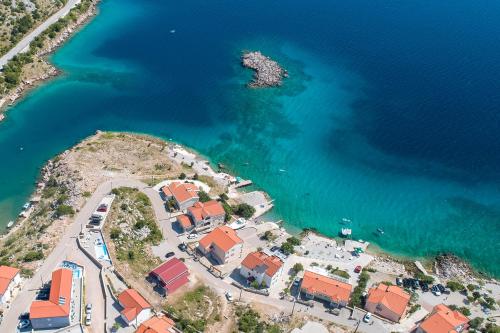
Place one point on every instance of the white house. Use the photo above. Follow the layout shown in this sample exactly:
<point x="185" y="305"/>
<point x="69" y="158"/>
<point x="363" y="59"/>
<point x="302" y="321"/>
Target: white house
<point x="10" y="277"/>
<point x="222" y="244"/>
<point x="135" y="308"/>
<point x="263" y="268"/>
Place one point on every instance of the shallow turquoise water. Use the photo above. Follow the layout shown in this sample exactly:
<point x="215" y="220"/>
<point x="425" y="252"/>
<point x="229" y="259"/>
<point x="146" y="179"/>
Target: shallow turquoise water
<point x="357" y="131"/>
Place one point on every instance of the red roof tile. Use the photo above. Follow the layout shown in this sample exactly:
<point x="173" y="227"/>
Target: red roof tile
<point x="202" y="210"/>
<point x="443" y="320"/>
<point x="59" y="301"/>
<point x="7" y="274"/>
<point x="173" y="274"/>
<point x="132" y="304"/>
<point x="181" y="191"/>
<point x="272" y="264"/>
<point x="224" y="237"/>
<point x="393" y="297"/>
<point x="184" y="221"/>
<point x="157" y="324"/>
<point x="337" y="291"/>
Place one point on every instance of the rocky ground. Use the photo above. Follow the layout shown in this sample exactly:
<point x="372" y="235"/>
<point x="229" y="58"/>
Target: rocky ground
<point x="268" y="72"/>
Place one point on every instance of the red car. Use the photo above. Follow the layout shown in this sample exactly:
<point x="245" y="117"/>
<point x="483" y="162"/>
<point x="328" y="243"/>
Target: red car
<point x="357" y="269"/>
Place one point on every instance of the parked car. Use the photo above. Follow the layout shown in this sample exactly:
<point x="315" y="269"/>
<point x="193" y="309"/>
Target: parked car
<point x="24" y="323"/>
<point x="441" y="287"/>
<point x="88" y="320"/>
<point x="229" y="296"/>
<point x="182" y="246"/>
<point x="367" y="317"/>
<point x="192" y="236"/>
<point x="169" y="254"/>
<point x="88" y="309"/>
<point x="415" y="284"/>
<point x="435" y="290"/>
<point x="424" y="286"/>
<point x="24" y="315"/>
<point x="335" y="311"/>
<point x="102" y="208"/>
<point x="399" y="281"/>
<point x="357" y="269"/>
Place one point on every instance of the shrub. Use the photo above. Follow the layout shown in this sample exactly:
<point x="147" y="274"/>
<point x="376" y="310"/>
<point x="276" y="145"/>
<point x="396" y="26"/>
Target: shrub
<point x="204" y="197"/>
<point x="33" y="256"/>
<point x="455" y="286"/>
<point x="63" y="210"/>
<point x="464" y="310"/>
<point x="287" y="248"/>
<point x="244" y="210"/>
<point x="476" y="323"/>
<point x="115" y="233"/>
<point x="298" y="267"/>
<point x="293" y="240"/>
<point x="182" y="176"/>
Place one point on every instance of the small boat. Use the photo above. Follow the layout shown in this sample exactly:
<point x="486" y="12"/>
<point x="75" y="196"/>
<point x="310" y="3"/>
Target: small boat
<point x="346" y="220"/>
<point x="172" y="31"/>
<point x="21" y="148"/>
<point x="26" y="205"/>
<point x="380" y="231"/>
<point x="282" y="170"/>
<point x="10" y="224"/>
<point x="346" y="232"/>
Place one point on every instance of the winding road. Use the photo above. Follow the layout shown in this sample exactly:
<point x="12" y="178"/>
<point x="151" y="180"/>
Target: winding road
<point x="25" y="42"/>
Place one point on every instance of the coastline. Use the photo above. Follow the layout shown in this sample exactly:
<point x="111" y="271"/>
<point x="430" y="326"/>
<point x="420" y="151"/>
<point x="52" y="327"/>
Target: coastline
<point x="201" y="163"/>
<point x="49" y="71"/>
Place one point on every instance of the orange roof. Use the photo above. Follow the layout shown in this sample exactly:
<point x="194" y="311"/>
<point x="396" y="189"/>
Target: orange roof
<point x="314" y="283"/>
<point x="7" y="274"/>
<point x="271" y="264"/>
<point x="184" y="221"/>
<point x="201" y="210"/>
<point x="223" y="237"/>
<point x="393" y="297"/>
<point x="161" y="324"/>
<point x="59" y="301"/>
<point x="181" y="191"/>
<point x="133" y="304"/>
<point x="443" y="320"/>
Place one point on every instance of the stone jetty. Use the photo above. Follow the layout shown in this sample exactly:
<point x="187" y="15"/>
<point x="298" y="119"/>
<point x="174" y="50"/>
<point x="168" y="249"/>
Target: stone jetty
<point x="268" y="72"/>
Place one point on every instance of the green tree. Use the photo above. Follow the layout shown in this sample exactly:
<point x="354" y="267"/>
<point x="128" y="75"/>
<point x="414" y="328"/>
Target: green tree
<point x="204" y="197"/>
<point x="244" y="210"/>
<point x="287" y="248"/>
<point x="298" y="267"/>
<point x="182" y="176"/>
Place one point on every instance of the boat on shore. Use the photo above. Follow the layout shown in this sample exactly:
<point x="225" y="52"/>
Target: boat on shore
<point x="346" y="232"/>
<point x="10" y="224"/>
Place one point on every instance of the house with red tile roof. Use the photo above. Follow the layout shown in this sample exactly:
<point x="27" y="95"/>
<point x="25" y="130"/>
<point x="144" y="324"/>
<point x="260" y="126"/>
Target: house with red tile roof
<point x="171" y="275"/>
<point x="184" y="194"/>
<point x="389" y="302"/>
<point x="184" y="222"/>
<point x="443" y="320"/>
<point x="336" y="293"/>
<point x="9" y="278"/>
<point x="56" y="311"/>
<point x="206" y="214"/>
<point x="135" y="308"/>
<point x="157" y="324"/>
<point x="222" y="244"/>
<point x="261" y="267"/>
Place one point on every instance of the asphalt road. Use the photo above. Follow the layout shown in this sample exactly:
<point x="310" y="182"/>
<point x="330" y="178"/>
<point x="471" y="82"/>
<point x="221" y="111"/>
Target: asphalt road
<point x="25" y="42"/>
<point x="67" y="250"/>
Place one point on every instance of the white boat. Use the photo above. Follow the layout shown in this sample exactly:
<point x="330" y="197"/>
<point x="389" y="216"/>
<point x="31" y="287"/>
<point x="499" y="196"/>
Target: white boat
<point x="346" y="232"/>
<point x="238" y="224"/>
<point x="10" y="224"/>
<point x="26" y="206"/>
<point x="172" y="31"/>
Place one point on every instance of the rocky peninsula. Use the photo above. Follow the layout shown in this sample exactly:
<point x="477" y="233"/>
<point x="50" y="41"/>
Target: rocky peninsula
<point x="268" y="73"/>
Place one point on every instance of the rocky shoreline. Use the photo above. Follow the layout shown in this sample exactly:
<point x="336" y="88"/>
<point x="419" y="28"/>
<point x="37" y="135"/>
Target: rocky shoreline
<point x="50" y="71"/>
<point x="268" y="73"/>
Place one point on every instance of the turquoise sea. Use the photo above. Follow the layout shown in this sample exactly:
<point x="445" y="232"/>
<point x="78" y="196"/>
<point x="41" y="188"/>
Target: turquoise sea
<point x="390" y="116"/>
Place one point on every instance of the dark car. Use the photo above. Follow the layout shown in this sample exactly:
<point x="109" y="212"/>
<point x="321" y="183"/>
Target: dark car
<point x="275" y="248"/>
<point x="415" y="284"/>
<point x="441" y="288"/>
<point x="424" y="286"/>
<point x="182" y="246"/>
<point x="399" y="281"/>
<point x="406" y="283"/>
<point x="169" y="254"/>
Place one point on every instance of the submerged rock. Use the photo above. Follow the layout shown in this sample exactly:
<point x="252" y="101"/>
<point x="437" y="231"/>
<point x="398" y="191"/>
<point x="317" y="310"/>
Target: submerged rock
<point x="268" y="72"/>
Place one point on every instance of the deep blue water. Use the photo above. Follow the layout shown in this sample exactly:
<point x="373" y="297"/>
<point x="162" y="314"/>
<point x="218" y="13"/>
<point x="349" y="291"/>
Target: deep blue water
<point x="390" y="116"/>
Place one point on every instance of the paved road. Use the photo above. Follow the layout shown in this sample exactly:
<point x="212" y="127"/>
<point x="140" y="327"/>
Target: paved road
<point x="25" y="42"/>
<point x="68" y="250"/>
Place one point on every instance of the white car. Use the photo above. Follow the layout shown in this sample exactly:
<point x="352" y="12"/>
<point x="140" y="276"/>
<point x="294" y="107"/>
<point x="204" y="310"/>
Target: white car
<point x="367" y="317"/>
<point x="88" y="320"/>
<point x="88" y="309"/>
<point x="192" y="236"/>
<point x="229" y="296"/>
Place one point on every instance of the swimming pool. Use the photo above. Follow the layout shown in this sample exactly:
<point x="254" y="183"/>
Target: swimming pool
<point x="101" y="252"/>
<point x="77" y="270"/>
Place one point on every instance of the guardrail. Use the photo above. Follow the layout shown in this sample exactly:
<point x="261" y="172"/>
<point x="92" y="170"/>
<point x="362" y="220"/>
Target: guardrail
<point x="250" y="290"/>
